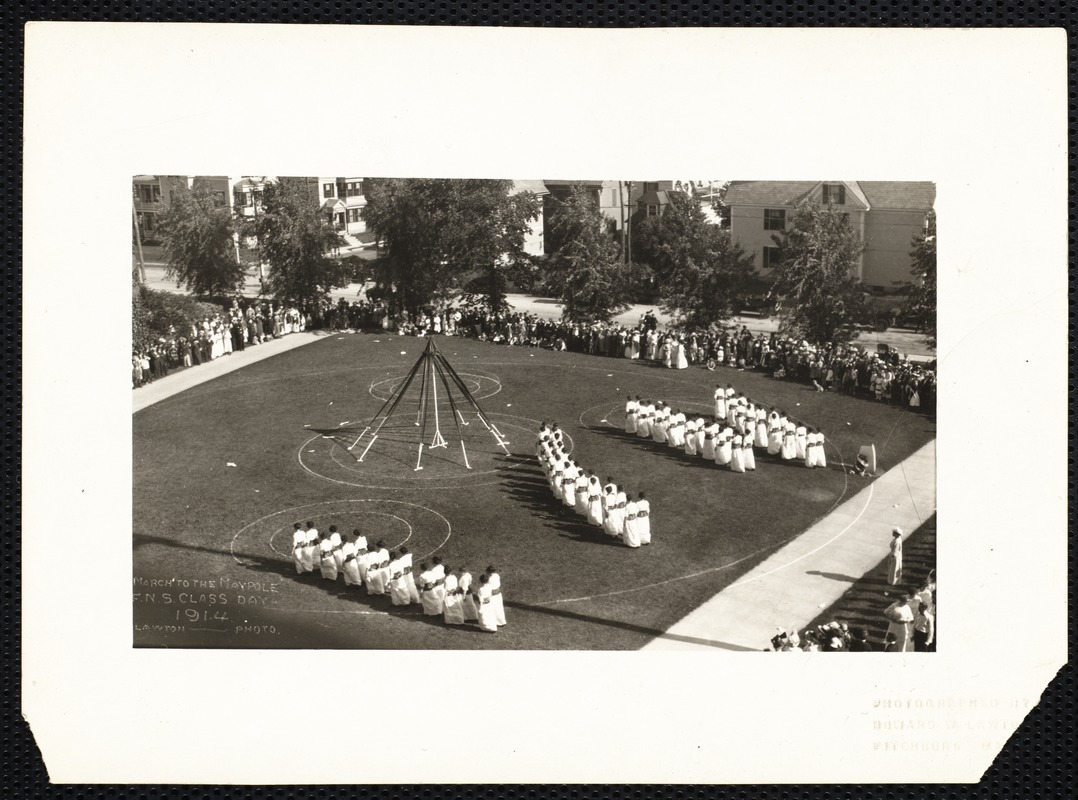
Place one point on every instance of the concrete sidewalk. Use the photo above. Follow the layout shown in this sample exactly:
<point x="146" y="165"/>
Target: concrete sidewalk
<point x="182" y="380"/>
<point x="806" y="576"/>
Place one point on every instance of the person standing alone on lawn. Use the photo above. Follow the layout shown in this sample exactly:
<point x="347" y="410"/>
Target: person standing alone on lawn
<point x="894" y="560"/>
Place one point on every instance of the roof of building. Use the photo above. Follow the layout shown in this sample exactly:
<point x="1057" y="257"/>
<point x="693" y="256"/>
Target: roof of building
<point x="750" y="193"/>
<point x="537" y="187"/>
<point x="659" y="198"/>
<point x="900" y="194"/>
<point x="878" y="194"/>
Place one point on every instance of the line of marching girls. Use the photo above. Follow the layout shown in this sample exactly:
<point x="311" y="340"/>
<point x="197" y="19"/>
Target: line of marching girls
<point x="738" y="426"/>
<point x="605" y="506"/>
<point x="441" y="591"/>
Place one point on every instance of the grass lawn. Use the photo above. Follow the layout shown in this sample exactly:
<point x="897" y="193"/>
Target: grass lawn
<point x="286" y="422"/>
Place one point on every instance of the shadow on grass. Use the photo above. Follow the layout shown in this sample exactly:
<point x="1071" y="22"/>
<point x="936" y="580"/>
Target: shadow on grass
<point x="532" y="491"/>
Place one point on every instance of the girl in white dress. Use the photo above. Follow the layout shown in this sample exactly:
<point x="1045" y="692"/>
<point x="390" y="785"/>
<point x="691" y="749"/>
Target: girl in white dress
<point x="737" y="459"/>
<point x="488" y="620"/>
<point x="631" y="409"/>
<point x="789" y="442"/>
<point x="800" y="440"/>
<point x="643" y="519"/>
<point x="681" y="361"/>
<point x="630" y="531"/>
<point x="748" y="455"/>
<point x="761" y="427"/>
<point x="453" y="613"/>
<point x="595" y="502"/>
<point x="690" y="437"/>
<point x="774" y="433"/>
<point x="724" y="448"/>
<point x="610" y="501"/>
<point x="707" y="450"/>
<point x="821" y="459"/>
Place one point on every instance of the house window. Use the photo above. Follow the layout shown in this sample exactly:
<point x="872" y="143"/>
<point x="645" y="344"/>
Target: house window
<point x="148" y="222"/>
<point x="353" y="189"/>
<point x="834" y="194"/>
<point x="146" y="193"/>
<point x="653" y="210"/>
<point x="157" y="194"/>
<point x="353" y="215"/>
<point x="774" y="219"/>
<point x="327" y="190"/>
<point x="771" y="257"/>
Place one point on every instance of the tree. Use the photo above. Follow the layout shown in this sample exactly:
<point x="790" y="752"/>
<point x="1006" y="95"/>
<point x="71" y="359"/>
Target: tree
<point x="296" y="239"/>
<point x="703" y="274"/>
<point x="816" y="279"/>
<point x="921" y="305"/>
<point x="443" y="235"/>
<point x="585" y="272"/>
<point x="198" y="236"/>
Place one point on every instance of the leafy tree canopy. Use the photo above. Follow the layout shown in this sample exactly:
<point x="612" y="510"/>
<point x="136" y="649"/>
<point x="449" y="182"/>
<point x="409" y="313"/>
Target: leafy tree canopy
<point x="585" y="272"/>
<point x="443" y="234"/>
<point x="921" y="306"/>
<point x="702" y="273"/>
<point x="197" y="234"/>
<point x="816" y="279"/>
<point x="296" y="239"/>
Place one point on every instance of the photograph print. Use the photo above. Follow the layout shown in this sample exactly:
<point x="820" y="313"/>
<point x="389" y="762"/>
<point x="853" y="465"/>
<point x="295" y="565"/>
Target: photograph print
<point x="454" y="414"/>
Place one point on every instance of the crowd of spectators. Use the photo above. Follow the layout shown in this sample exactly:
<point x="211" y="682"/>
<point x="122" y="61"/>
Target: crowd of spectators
<point x="883" y="376"/>
<point x="233" y="329"/>
<point x="910" y="627"/>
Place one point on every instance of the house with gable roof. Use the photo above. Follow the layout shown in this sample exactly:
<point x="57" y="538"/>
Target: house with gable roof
<point x="886" y="214"/>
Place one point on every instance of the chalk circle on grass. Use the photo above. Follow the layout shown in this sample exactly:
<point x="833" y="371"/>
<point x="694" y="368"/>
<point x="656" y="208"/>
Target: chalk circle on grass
<point x="480" y="386"/>
<point x="605" y="415"/>
<point x="391" y="460"/>
<point x="269" y="538"/>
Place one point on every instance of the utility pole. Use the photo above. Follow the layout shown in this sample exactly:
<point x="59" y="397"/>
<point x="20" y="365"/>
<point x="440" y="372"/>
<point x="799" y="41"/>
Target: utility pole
<point x="629" y="222"/>
<point x="138" y="241"/>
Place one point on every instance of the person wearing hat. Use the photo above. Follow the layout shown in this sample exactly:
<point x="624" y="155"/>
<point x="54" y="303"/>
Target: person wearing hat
<point x="900" y="618"/>
<point x="894" y="560"/>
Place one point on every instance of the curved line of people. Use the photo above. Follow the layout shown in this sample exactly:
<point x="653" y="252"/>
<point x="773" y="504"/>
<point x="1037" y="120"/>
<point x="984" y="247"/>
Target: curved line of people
<point x="445" y="592"/>
<point x="728" y="439"/>
<point x="607" y="507"/>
